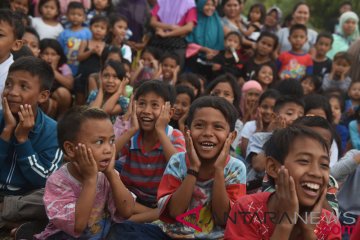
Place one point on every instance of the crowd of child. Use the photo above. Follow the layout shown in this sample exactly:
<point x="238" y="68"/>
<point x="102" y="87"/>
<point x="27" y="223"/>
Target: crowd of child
<point x="174" y="119"/>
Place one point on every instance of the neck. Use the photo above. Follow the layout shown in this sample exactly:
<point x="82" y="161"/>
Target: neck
<point x="319" y="58"/>
<point x="3" y="59"/>
<point x="297" y="51"/>
<point x="76" y="27"/>
<point x="259" y="59"/>
<point x="73" y="171"/>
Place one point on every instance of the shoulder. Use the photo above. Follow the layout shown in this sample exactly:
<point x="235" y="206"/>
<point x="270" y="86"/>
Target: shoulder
<point x="235" y="167"/>
<point x="177" y="165"/>
<point x="251" y="200"/>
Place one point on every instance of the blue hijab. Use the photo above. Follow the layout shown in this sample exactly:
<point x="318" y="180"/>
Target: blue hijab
<point x="208" y="31"/>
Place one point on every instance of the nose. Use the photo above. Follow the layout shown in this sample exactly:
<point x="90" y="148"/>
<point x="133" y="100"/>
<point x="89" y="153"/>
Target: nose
<point x="208" y="131"/>
<point x="108" y="148"/>
<point x="314" y="170"/>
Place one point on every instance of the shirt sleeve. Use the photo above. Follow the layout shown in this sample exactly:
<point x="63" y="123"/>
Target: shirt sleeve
<point x="235" y="179"/>
<point x="191" y="16"/>
<point x="66" y="70"/>
<point x="310" y="66"/>
<point x="91" y="97"/>
<point x="155" y="11"/>
<point x="178" y="140"/>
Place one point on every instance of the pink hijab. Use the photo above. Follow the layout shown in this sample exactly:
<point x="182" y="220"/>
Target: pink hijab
<point x="249" y="85"/>
<point x="172" y="11"/>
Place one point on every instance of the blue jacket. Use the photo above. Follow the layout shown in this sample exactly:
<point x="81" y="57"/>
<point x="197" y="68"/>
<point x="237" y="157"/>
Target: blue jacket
<point x="26" y="166"/>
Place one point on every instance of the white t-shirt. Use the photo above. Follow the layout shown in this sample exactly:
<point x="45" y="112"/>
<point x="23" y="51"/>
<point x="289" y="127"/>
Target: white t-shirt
<point x="44" y="30"/>
<point x="285" y="45"/>
<point x="248" y="129"/>
<point x="4" y="69"/>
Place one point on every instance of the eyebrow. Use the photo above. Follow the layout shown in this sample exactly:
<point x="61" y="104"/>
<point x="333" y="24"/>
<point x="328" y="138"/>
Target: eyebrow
<point x="311" y="155"/>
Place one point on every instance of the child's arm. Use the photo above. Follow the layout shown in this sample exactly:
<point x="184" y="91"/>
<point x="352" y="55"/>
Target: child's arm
<point x="138" y="70"/>
<point x="99" y="98"/>
<point x="111" y="106"/>
<point x="346" y="165"/>
<point x="65" y="80"/>
<point x="83" y="55"/>
<point x="247" y="32"/>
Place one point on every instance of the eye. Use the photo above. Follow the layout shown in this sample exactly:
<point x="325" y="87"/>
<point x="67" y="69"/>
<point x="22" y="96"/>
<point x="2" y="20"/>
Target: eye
<point x="112" y="141"/>
<point x="198" y="125"/>
<point x="24" y="87"/>
<point x="218" y="126"/>
<point x="155" y="105"/>
<point x="99" y="142"/>
<point x="303" y="161"/>
<point x="325" y="165"/>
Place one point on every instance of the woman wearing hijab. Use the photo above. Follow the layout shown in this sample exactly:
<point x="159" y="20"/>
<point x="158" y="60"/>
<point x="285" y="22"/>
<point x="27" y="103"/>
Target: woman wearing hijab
<point x="172" y="21"/>
<point x="348" y="33"/>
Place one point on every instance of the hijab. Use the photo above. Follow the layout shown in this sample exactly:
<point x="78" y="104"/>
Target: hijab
<point x="345" y="17"/>
<point x="172" y="11"/>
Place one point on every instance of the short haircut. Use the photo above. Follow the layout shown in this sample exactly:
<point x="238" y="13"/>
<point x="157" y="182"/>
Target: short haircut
<point x="55" y="45"/>
<point x="14" y="21"/>
<point x="43" y="2"/>
<point x="36" y="67"/>
<point x="315" y="121"/>
<point x="70" y="124"/>
<point x="173" y="56"/>
<point x="297" y="26"/>
<point x="100" y="18"/>
<point x="325" y="35"/>
<point x="316" y="80"/>
<point x="270" y="93"/>
<point x="153" y="51"/>
<point x="190" y="78"/>
<point x="237" y="34"/>
<point x="290" y="87"/>
<point x="180" y="89"/>
<point x="282" y="141"/>
<point x="283" y="100"/>
<point x="227" y="109"/>
<point x="342" y="56"/>
<point x="22" y="52"/>
<point x="75" y="5"/>
<point x="317" y="101"/>
<point x="107" y="51"/>
<point x="269" y="35"/>
<point x="162" y="89"/>
<point x="117" y="66"/>
<point x="32" y="31"/>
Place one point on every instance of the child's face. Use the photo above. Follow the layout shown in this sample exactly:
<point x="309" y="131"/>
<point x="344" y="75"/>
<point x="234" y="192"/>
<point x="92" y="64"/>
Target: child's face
<point x="319" y="112"/>
<point x="232" y="41"/>
<point x="308" y="86"/>
<point x="148" y="110"/>
<point x="98" y="135"/>
<point x="209" y="8"/>
<point x="148" y="58"/>
<point x="349" y="27"/>
<point x="297" y="39"/>
<point x="168" y="68"/>
<point x="265" y="46"/>
<point x="76" y="16"/>
<point x="266" y="109"/>
<point x="50" y="56"/>
<point x="119" y="29"/>
<point x="19" y="5"/>
<point x="323" y="46"/>
<point x="265" y="75"/>
<point x="340" y="67"/>
<point x="209" y="130"/>
<point x="182" y="105"/>
<point x="22" y="88"/>
<point x="49" y="10"/>
<point x="7" y="40"/>
<point x="110" y="81"/>
<point x="354" y="91"/>
<point x="99" y="30"/>
<point x="252" y="97"/>
<point x="308" y="164"/>
<point x="335" y="109"/>
<point x="114" y="56"/>
<point x="224" y="90"/>
<point x="290" y="112"/>
<point x="255" y="15"/>
<point x="100" y="4"/>
<point x="32" y="42"/>
<point x="127" y="68"/>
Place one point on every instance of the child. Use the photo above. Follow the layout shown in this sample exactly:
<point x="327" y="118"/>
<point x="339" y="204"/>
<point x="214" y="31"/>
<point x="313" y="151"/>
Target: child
<point x="289" y="108"/>
<point x="192" y="81"/>
<point x="89" y="56"/>
<point x="310" y="84"/>
<point x="12" y="30"/>
<point x="250" y="93"/>
<point x="70" y="39"/>
<point x="295" y="63"/>
<point x="99" y="8"/>
<point x="147" y="66"/>
<point x="354" y="130"/>
<point x="109" y="97"/>
<point x="60" y="98"/>
<point x="322" y="64"/>
<point x="85" y="196"/>
<point x="150" y="141"/>
<point x="169" y="69"/>
<point x="265" y="76"/>
<point x="29" y="150"/>
<point x="47" y="25"/>
<point x="256" y="18"/>
<point x="184" y="98"/>
<point x="20" y="5"/>
<point x="228" y="60"/>
<point x="338" y="77"/>
<point x="354" y="99"/>
<point x="32" y="40"/>
<point x="301" y="189"/>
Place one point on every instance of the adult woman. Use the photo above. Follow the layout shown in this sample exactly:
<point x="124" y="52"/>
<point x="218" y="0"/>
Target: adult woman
<point x="348" y="33"/>
<point x="172" y="24"/>
<point x="232" y="21"/>
<point x="300" y="15"/>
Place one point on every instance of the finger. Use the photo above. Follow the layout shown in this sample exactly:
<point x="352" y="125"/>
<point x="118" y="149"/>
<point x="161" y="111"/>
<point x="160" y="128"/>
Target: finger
<point x="286" y="183"/>
<point x="91" y="156"/>
<point x="77" y="166"/>
<point x="280" y="182"/>
<point x="85" y="154"/>
<point x="292" y="189"/>
<point x="21" y="117"/>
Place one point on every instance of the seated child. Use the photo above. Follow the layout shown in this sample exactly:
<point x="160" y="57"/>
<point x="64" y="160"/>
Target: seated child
<point x="353" y="102"/>
<point x="169" y="69"/>
<point x="85" y="196"/>
<point x="192" y="81"/>
<point x="322" y="64"/>
<point x="146" y="147"/>
<point x="147" y="65"/>
<point x="32" y="40"/>
<point x="295" y="63"/>
<point x="297" y="160"/>
<point x="29" y="150"/>
<point x="310" y="84"/>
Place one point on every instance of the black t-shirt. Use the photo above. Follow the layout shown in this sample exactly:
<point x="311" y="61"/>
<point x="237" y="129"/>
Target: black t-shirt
<point x="228" y="65"/>
<point x="322" y="68"/>
<point x="251" y="69"/>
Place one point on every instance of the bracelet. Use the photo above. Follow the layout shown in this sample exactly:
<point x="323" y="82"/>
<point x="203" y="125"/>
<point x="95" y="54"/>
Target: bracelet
<point x="193" y="172"/>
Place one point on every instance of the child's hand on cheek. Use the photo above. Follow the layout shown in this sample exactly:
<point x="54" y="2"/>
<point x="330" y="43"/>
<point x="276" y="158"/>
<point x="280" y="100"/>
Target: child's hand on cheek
<point x="164" y="118"/>
<point x="26" y="123"/>
<point x="220" y="162"/>
<point x="110" y="168"/>
<point x="85" y="163"/>
<point x="278" y="122"/>
<point x="123" y="85"/>
<point x="10" y="121"/>
<point x="195" y="163"/>
<point x="134" y="120"/>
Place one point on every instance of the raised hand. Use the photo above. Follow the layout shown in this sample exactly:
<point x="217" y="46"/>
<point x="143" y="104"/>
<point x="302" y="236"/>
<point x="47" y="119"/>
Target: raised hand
<point x="134" y="120"/>
<point x="110" y="168"/>
<point x="123" y="85"/>
<point x="26" y="123"/>
<point x="85" y="163"/>
<point x="195" y="163"/>
<point x="10" y="121"/>
<point x="164" y="118"/>
<point x="220" y="162"/>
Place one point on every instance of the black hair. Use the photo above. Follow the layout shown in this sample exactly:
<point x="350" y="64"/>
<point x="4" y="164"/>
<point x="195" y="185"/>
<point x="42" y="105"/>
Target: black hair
<point x="218" y="103"/>
<point x="42" y="2"/>
<point x="315" y="121"/>
<point x="153" y="51"/>
<point x="36" y="67"/>
<point x="117" y="66"/>
<point x="290" y="87"/>
<point x="325" y="35"/>
<point x="225" y="1"/>
<point x="100" y="18"/>
<point x="228" y="78"/>
<point x="338" y="97"/>
<point x="357" y="115"/>
<point x="69" y="125"/>
<point x="75" y="5"/>
<point x="22" y="52"/>
<point x="262" y="11"/>
<point x="270" y="93"/>
<point x="274" y="74"/>
<point x="32" y="31"/>
<point x="282" y="141"/>
<point x="14" y="21"/>
<point x="162" y="89"/>
<point x="25" y="19"/>
<point x="108" y="9"/>
<point x="180" y="89"/>
<point x="173" y="56"/>
<point x="297" y="5"/>
<point x="114" y="18"/>
<point x="124" y="61"/>
<point x="316" y="80"/>
<point x="270" y="35"/>
<point x="297" y="26"/>
<point x="106" y="52"/>
<point x="343" y="56"/>
<point x="317" y="101"/>
<point x="237" y="34"/>
<point x="55" y="45"/>
<point x="281" y="101"/>
<point x="192" y="79"/>
<point x="345" y="3"/>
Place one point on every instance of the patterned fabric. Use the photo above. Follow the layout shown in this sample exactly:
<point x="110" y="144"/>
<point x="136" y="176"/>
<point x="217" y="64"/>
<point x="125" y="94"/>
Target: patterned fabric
<point x="295" y="66"/>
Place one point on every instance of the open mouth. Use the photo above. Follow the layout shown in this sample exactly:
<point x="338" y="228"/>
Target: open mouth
<point x="146" y="120"/>
<point x="311" y="189"/>
<point x="207" y="145"/>
<point x="104" y="163"/>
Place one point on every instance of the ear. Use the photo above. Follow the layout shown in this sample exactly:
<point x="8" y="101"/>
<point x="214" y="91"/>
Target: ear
<point x="171" y="112"/>
<point x="17" y="45"/>
<point x="272" y="167"/>
<point x="233" y="136"/>
<point x="43" y="96"/>
<point x="69" y="149"/>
